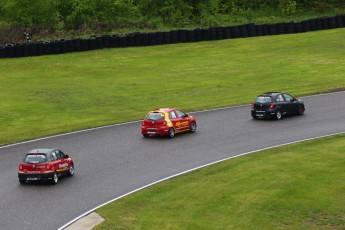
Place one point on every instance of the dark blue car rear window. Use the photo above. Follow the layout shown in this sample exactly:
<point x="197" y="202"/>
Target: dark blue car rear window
<point x="262" y="99"/>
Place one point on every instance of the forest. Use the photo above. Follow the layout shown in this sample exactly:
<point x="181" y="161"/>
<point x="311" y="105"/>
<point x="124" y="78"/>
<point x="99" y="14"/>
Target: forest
<point x="49" y="18"/>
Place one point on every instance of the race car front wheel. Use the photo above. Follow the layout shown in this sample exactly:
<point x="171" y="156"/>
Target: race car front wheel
<point x="192" y="127"/>
<point x="55" y="178"/>
<point x="22" y="181"/>
<point x="71" y="170"/>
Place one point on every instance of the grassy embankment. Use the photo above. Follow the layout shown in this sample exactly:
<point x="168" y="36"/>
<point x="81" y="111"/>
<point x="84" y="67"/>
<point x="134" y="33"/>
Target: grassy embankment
<point x="54" y="94"/>
<point x="300" y="186"/>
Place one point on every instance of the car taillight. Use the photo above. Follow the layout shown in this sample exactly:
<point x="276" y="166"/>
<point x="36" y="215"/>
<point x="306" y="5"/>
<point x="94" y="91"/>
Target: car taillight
<point x="20" y="167"/>
<point x="272" y="106"/>
<point x="253" y="105"/>
<point x="48" y="166"/>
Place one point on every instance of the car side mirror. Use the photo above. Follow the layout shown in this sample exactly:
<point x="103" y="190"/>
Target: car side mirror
<point x="292" y="100"/>
<point x="66" y="156"/>
<point x="186" y="115"/>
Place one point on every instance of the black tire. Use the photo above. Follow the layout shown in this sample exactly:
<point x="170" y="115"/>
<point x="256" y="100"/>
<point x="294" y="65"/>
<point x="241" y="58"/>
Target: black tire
<point x="22" y="181"/>
<point x="145" y="135"/>
<point x="278" y="115"/>
<point x="71" y="170"/>
<point x="300" y="110"/>
<point x="255" y="117"/>
<point x="192" y="127"/>
<point x="55" y="179"/>
<point x="171" y="133"/>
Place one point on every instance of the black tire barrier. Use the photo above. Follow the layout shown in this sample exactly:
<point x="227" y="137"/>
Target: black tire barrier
<point x="145" y="39"/>
<point x="152" y="39"/>
<point x="244" y="31"/>
<point x="2" y="51"/>
<point x="46" y="48"/>
<point x="159" y="38"/>
<point x="305" y="26"/>
<point x="289" y="27"/>
<point x="123" y="41"/>
<point x="69" y="46"/>
<point x="10" y="50"/>
<point x="63" y="46"/>
<point x="298" y="27"/>
<point x="130" y="40"/>
<point x="258" y="30"/>
<point x="55" y="47"/>
<point x="25" y="49"/>
<point x="167" y="38"/>
<point x="174" y="36"/>
<point x="206" y="36"/>
<point x="182" y="36"/>
<point x="32" y="49"/>
<point x="235" y="31"/>
<point x="251" y="30"/>
<point x="272" y="29"/>
<point x="191" y="36"/>
<point x="114" y="41"/>
<point x="340" y="21"/>
<point x="77" y="44"/>
<point x="83" y="45"/>
<point x="17" y="50"/>
<point x="227" y="32"/>
<point x="312" y="25"/>
<point x="198" y="34"/>
<point x="138" y="39"/>
<point x="324" y="22"/>
<point x="280" y="28"/>
<point x="39" y="48"/>
<point x="92" y="43"/>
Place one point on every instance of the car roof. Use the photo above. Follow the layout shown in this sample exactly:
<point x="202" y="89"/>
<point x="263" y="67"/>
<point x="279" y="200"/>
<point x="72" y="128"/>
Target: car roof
<point x="45" y="151"/>
<point x="164" y="110"/>
<point x="271" y="94"/>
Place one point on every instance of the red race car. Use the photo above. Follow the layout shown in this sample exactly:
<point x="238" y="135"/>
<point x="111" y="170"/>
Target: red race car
<point x="45" y="165"/>
<point x="167" y="121"/>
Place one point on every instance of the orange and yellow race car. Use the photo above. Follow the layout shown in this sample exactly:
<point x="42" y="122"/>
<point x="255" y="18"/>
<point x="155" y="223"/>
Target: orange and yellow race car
<point x="167" y="121"/>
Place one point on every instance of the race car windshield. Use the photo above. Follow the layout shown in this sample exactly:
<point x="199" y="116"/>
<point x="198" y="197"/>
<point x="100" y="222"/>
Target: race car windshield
<point x="263" y="100"/>
<point x="155" y="116"/>
<point x="35" y="158"/>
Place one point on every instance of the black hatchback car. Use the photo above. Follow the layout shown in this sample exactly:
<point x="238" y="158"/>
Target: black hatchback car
<point x="276" y="105"/>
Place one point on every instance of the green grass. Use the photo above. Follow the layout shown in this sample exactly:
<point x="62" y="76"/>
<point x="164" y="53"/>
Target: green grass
<point x="300" y="186"/>
<point x="54" y="94"/>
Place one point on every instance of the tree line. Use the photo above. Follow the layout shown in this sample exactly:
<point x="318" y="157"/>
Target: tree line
<point x="77" y="14"/>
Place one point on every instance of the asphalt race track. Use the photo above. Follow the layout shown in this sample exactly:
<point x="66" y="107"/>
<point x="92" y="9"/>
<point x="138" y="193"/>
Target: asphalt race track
<point x="115" y="160"/>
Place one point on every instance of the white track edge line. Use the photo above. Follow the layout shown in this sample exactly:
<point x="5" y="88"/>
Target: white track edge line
<point x="131" y="122"/>
<point x="190" y="170"/>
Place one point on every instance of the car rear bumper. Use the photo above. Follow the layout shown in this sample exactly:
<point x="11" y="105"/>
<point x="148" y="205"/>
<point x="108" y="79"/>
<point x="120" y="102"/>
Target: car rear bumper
<point x="263" y="113"/>
<point x="35" y="176"/>
<point x="164" y="130"/>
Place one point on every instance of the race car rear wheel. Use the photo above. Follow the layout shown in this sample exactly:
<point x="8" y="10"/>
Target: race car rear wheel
<point x="145" y="135"/>
<point x="171" y="132"/>
<point x="71" y="170"/>
<point x="192" y="127"/>
<point x="55" y="178"/>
